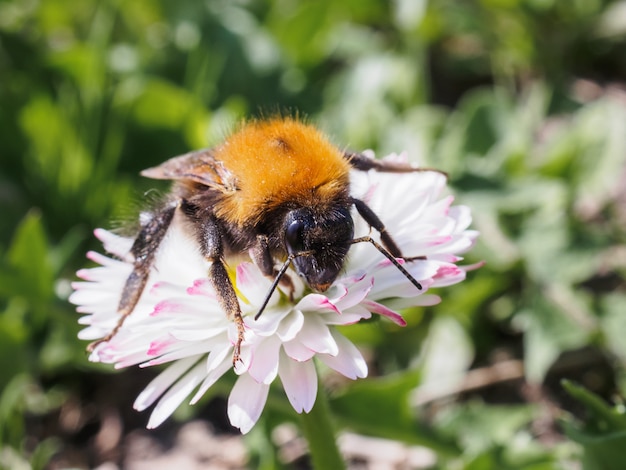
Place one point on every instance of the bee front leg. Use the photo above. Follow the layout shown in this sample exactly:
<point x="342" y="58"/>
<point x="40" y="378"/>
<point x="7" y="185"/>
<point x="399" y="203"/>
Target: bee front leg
<point x="209" y="233"/>
<point x="143" y="251"/>
<point x="389" y="247"/>
<point x="372" y="219"/>
<point x="262" y="257"/>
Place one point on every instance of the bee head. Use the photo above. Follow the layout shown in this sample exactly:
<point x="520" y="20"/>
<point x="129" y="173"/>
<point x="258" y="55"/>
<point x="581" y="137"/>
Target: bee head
<point x="323" y="238"/>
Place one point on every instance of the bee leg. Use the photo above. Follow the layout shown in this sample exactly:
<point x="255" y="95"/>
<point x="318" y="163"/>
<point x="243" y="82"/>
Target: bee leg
<point x="209" y="233"/>
<point x="371" y="218"/>
<point x="389" y="249"/>
<point x="262" y="257"/>
<point x="143" y="251"/>
<point x="361" y="162"/>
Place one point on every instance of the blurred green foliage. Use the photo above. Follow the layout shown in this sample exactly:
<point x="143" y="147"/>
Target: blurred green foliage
<point x="603" y="435"/>
<point x="520" y="101"/>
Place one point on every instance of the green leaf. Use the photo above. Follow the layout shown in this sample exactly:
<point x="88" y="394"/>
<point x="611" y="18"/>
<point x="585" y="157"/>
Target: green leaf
<point x="607" y="452"/>
<point x="552" y="326"/>
<point x="164" y="105"/>
<point x="602" y="418"/>
<point x="479" y="426"/>
<point x="29" y="258"/>
<point x="381" y="407"/>
<point x="43" y="453"/>
<point x="482" y="114"/>
<point x="602" y="435"/>
<point x="14" y="335"/>
<point x="57" y="152"/>
<point x="11" y="405"/>
<point x="445" y="359"/>
<point x="613" y="322"/>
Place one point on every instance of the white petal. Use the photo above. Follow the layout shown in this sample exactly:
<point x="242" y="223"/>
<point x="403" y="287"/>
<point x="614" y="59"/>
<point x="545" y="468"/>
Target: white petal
<point x="407" y="302"/>
<point x="175" y="351"/>
<point x="162" y="382"/>
<point x="85" y="295"/>
<point x="91" y="332"/>
<point x="246" y="402"/>
<point x="176" y="395"/>
<point x="348" y="317"/>
<point x="212" y="377"/>
<point x="245" y="360"/>
<point x="316" y="303"/>
<point x="315" y="335"/>
<point x="462" y="215"/>
<point x="291" y="325"/>
<point x="298" y="351"/>
<point x="264" y="365"/>
<point x="299" y="380"/>
<point x="348" y="361"/>
<point x="114" y="244"/>
<point x="222" y="349"/>
<point x="252" y="284"/>
<point x="108" y="262"/>
<point x="357" y="291"/>
<point x="269" y="322"/>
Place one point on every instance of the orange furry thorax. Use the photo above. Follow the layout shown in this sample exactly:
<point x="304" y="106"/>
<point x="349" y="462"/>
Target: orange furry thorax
<point x="279" y="162"/>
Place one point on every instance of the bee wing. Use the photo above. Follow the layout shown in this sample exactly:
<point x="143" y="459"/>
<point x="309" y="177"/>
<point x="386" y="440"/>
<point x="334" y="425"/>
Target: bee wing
<point x="199" y="166"/>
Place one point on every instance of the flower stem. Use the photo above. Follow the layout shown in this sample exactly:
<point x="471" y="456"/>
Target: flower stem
<point x="319" y="432"/>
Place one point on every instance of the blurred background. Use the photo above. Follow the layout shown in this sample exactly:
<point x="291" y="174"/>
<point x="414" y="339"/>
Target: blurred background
<point x="522" y="102"/>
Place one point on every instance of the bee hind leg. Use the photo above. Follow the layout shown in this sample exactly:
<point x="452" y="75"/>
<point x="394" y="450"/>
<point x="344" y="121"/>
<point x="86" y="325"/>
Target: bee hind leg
<point x="143" y="251"/>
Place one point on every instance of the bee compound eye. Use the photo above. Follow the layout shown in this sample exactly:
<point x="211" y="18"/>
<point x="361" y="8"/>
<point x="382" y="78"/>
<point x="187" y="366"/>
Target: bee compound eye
<point x="294" y="236"/>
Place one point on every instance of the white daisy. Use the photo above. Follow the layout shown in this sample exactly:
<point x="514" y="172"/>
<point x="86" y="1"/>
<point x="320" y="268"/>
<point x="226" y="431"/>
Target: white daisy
<point x="178" y="319"/>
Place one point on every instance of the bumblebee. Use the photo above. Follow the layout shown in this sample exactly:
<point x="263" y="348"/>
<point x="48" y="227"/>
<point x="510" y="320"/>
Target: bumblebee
<point x="276" y="189"/>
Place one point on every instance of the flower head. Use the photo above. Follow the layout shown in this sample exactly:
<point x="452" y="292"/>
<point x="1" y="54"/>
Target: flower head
<point x="178" y="320"/>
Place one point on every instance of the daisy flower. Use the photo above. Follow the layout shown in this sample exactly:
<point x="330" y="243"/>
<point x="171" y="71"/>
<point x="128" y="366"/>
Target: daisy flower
<point x="178" y="320"/>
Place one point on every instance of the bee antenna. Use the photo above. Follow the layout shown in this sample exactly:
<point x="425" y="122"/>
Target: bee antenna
<point x="279" y="275"/>
<point x="390" y="257"/>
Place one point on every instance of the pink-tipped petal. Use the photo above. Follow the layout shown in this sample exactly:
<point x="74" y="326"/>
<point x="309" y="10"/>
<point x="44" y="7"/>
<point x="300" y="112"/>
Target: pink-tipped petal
<point x="316" y="303"/>
<point x="158" y="347"/>
<point x="380" y="309"/>
<point x="355" y="294"/>
<point x="201" y="287"/>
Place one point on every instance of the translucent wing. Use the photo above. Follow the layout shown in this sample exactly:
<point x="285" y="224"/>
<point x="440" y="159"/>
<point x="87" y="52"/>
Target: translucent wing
<point x="199" y="166"/>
